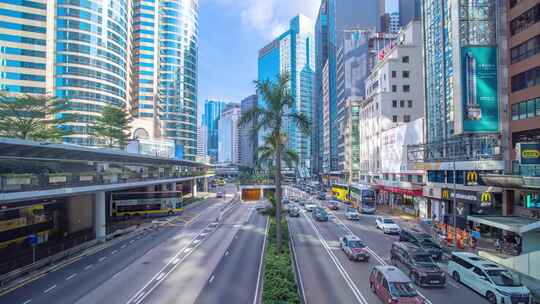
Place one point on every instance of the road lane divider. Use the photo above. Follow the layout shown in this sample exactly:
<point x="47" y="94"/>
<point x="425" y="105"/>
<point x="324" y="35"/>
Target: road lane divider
<point x="261" y="261"/>
<point x="297" y="273"/>
<point x="49" y="289"/>
<point x="356" y="292"/>
<point x="71" y="277"/>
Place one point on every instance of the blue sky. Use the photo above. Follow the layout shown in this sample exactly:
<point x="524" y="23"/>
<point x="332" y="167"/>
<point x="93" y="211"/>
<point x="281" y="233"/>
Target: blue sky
<point x="230" y="34"/>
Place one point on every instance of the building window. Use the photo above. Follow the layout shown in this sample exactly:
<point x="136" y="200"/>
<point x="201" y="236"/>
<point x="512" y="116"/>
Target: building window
<point x="523" y="110"/>
<point x="406" y="118"/>
<point x="394" y="118"/>
<point x="402" y="103"/>
<point x="409" y="103"/>
<point x="405" y="59"/>
<point x="525" y="20"/>
<point x="526" y="79"/>
<point x="394" y="74"/>
<point x="406" y="88"/>
<point x="515" y="112"/>
<point x="394" y="88"/>
<point x="394" y="103"/>
<point x="405" y="74"/>
<point x="419" y="179"/>
<point x="525" y="50"/>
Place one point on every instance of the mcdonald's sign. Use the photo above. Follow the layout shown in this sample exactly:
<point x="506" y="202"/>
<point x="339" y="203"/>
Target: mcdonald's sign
<point x="445" y="194"/>
<point x="472" y="178"/>
<point x="485" y="199"/>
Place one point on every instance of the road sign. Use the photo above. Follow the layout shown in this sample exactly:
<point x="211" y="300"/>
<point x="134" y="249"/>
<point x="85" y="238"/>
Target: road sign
<point x="32" y="239"/>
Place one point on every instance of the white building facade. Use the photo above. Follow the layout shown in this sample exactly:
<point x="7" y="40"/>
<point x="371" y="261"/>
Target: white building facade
<point x="394" y="96"/>
<point x="229" y="136"/>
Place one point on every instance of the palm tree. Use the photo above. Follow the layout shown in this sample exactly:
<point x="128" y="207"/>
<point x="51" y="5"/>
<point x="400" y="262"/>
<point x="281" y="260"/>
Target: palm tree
<point x="271" y="119"/>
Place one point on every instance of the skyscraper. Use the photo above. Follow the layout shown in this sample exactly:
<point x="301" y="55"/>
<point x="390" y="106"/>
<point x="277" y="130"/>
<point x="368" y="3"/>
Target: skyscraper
<point x="390" y="22"/>
<point x="228" y="135"/>
<point x="409" y="10"/>
<point x="202" y="151"/>
<point x="98" y="53"/>
<point x="165" y="70"/>
<point x="212" y="112"/>
<point x="247" y="140"/>
<point x="333" y="18"/>
<point x="293" y="53"/>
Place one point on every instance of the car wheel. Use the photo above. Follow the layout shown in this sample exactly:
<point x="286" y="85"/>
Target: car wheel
<point x="393" y="261"/>
<point x="372" y="287"/>
<point x="414" y="277"/>
<point x="490" y="296"/>
<point x="455" y="275"/>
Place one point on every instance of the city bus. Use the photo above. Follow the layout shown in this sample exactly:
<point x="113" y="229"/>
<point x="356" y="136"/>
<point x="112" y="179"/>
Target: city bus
<point x="17" y="224"/>
<point x="341" y="192"/>
<point x="363" y="198"/>
<point x="126" y="204"/>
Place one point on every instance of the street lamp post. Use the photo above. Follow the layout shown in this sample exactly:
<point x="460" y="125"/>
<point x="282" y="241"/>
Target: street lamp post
<point x="454" y="207"/>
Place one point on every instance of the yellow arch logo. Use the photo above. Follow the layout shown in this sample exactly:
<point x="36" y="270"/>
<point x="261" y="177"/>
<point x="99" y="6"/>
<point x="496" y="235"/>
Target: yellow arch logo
<point x="485" y="197"/>
<point x="445" y="194"/>
<point x="472" y="177"/>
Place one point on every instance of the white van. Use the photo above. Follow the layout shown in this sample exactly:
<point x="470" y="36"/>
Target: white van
<point x="496" y="283"/>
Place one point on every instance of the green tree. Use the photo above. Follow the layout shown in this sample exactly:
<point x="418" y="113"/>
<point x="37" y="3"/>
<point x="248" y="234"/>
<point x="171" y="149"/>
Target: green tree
<point x="35" y="117"/>
<point x="112" y="127"/>
<point x="271" y="119"/>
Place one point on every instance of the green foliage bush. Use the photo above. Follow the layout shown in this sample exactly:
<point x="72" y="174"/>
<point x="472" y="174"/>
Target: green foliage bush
<point x="279" y="283"/>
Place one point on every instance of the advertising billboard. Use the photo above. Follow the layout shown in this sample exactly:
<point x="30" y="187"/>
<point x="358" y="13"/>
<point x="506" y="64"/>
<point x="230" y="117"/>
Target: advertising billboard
<point x="479" y="94"/>
<point x="528" y="153"/>
<point x="394" y="144"/>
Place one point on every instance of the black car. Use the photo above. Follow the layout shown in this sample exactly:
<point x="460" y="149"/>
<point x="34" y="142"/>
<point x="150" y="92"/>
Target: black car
<point x="418" y="264"/>
<point x="321" y="196"/>
<point x="422" y="240"/>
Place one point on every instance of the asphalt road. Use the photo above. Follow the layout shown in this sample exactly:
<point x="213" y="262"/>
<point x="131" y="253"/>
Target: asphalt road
<point x="143" y="269"/>
<point x="328" y="276"/>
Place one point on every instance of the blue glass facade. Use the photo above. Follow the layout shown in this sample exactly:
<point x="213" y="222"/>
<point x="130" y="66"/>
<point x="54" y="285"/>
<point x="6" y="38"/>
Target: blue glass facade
<point x="23" y="32"/>
<point x="293" y="52"/>
<point x="212" y="112"/>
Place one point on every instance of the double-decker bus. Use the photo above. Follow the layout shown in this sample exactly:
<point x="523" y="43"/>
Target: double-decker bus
<point x="17" y="224"/>
<point x="341" y="192"/>
<point x="363" y="198"/>
<point x="126" y="204"/>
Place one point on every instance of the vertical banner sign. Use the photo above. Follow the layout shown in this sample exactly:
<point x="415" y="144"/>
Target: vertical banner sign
<point x="479" y="93"/>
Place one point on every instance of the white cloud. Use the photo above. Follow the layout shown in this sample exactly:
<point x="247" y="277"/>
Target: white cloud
<point x="271" y="17"/>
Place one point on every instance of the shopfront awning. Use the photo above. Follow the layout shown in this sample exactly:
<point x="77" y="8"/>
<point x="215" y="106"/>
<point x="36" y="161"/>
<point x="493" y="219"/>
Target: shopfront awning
<point x="516" y="224"/>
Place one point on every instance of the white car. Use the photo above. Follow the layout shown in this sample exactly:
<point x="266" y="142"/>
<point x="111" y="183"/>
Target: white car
<point x="492" y="281"/>
<point x="387" y="225"/>
<point x="310" y="206"/>
<point x="352" y="214"/>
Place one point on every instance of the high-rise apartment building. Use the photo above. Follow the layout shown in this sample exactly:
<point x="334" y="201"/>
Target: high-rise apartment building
<point x="138" y="55"/>
<point x="248" y="142"/>
<point x="202" y="132"/>
<point x="212" y="112"/>
<point x="390" y="22"/>
<point x="229" y="135"/>
<point x="293" y="52"/>
<point x="334" y="17"/>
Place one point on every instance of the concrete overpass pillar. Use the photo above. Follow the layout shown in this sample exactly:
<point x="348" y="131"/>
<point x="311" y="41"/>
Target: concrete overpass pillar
<point x="194" y="188"/>
<point x="100" y="216"/>
<point x="205" y="184"/>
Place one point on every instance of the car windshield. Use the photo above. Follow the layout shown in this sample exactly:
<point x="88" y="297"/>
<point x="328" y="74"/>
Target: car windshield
<point x="351" y="209"/>
<point x="503" y="277"/>
<point x="402" y="289"/>
<point x="423" y="259"/>
<point x="388" y="221"/>
<point x="429" y="243"/>
<point x="356" y="244"/>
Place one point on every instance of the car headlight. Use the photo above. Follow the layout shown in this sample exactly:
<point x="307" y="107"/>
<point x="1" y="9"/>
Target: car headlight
<point x="504" y="293"/>
<point x="443" y="274"/>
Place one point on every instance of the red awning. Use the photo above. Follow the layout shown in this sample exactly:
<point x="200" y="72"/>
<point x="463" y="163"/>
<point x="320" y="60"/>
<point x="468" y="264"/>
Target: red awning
<point x="411" y="192"/>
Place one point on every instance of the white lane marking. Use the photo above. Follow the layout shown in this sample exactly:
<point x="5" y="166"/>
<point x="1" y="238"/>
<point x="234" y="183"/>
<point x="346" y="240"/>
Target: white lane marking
<point x="71" y="277"/>
<point x="160" y="276"/>
<point x="114" y="251"/>
<point x="373" y="253"/>
<point x="211" y="279"/>
<point x="175" y="261"/>
<point x="358" y="295"/>
<point x="301" y="283"/>
<point x="196" y="242"/>
<point x="123" y="246"/>
<point x="49" y="289"/>
<point x="102" y="259"/>
<point x="227" y="252"/>
<point x="27" y="301"/>
<point x="88" y="267"/>
<point x="259" y="275"/>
